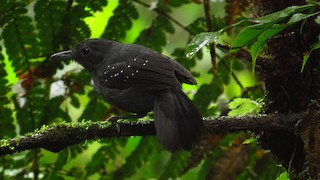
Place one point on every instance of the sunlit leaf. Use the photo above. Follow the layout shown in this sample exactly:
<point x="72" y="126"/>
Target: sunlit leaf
<point x="283" y="176"/>
<point x="244" y="106"/>
<point x="121" y="21"/>
<point x="6" y="122"/>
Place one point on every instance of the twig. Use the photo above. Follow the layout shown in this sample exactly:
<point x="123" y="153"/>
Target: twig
<point x="207" y="11"/>
<point x="69" y="5"/>
<point x="234" y="76"/>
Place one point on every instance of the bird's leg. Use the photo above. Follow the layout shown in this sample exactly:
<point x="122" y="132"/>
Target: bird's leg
<point x="114" y="119"/>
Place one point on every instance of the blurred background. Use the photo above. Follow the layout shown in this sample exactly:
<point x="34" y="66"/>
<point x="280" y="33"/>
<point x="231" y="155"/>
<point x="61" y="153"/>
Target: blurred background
<point x="36" y="91"/>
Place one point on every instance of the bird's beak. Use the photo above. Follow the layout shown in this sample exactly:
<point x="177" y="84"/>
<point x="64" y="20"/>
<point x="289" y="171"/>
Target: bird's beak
<point x="62" y="55"/>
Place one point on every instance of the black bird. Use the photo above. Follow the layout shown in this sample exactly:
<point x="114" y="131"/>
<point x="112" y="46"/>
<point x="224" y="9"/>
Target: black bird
<point x="139" y="80"/>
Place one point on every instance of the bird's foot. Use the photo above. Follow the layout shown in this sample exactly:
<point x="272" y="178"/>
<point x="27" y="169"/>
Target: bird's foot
<point x="114" y="119"/>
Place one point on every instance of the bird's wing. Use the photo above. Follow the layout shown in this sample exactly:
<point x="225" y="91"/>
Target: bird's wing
<point x="148" y="72"/>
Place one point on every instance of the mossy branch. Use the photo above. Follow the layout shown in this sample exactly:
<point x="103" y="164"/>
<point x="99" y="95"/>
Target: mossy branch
<point x="59" y="136"/>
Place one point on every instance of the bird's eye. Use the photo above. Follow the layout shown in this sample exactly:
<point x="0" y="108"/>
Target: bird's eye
<point x="85" y="50"/>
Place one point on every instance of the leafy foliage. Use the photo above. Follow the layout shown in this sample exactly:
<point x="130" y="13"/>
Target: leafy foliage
<point x="156" y="33"/>
<point x="207" y="94"/>
<point x="6" y="127"/>
<point x="136" y="159"/>
<point x="48" y="15"/>
<point x="175" y="165"/>
<point x="255" y="36"/>
<point x="19" y="29"/>
<point x="32" y="30"/>
<point x="121" y="21"/>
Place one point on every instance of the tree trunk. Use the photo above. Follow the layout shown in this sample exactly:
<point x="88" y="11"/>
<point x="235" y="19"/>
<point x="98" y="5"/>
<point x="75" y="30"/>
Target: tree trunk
<point x="289" y="90"/>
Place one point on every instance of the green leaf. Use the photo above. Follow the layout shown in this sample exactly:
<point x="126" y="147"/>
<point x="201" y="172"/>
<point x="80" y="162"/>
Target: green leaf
<point x="208" y="93"/>
<point x="20" y="40"/>
<point x="63" y="158"/>
<point x="137" y="158"/>
<point x="201" y="40"/>
<point x="299" y="17"/>
<point x="307" y="55"/>
<point x="177" y="3"/>
<point x="249" y="35"/>
<point x="96" y="5"/>
<point x="198" y="26"/>
<point x="255" y="36"/>
<point x="283" y="176"/>
<point x="96" y="108"/>
<point x="256" y="48"/>
<point x="179" y="55"/>
<point x="283" y="14"/>
<point x="107" y="156"/>
<point x="48" y="16"/>
<point x="121" y="21"/>
<point x="7" y="128"/>
<point x="243" y="106"/>
<point x="225" y="66"/>
<point x="317" y="20"/>
<point x="252" y="32"/>
<point x="175" y="165"/>
<point x="99" y="161"/>
<point x="53" y="175"/>
<point x="159" y="26"/>
<point x="75" y="101"/>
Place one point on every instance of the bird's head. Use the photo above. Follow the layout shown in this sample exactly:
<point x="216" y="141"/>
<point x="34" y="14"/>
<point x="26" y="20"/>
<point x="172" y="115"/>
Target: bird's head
<point x="89" y="53"/>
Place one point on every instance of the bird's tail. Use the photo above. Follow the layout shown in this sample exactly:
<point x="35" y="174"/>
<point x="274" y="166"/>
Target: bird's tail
<point x="177" y="121"/>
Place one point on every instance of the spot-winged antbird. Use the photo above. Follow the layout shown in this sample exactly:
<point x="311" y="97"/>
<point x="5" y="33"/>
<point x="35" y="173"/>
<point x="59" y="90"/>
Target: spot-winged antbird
<point x="139" y="80"/>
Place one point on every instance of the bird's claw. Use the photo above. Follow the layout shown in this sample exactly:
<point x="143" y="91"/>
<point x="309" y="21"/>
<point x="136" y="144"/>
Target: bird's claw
<point x="113" y="120"/>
